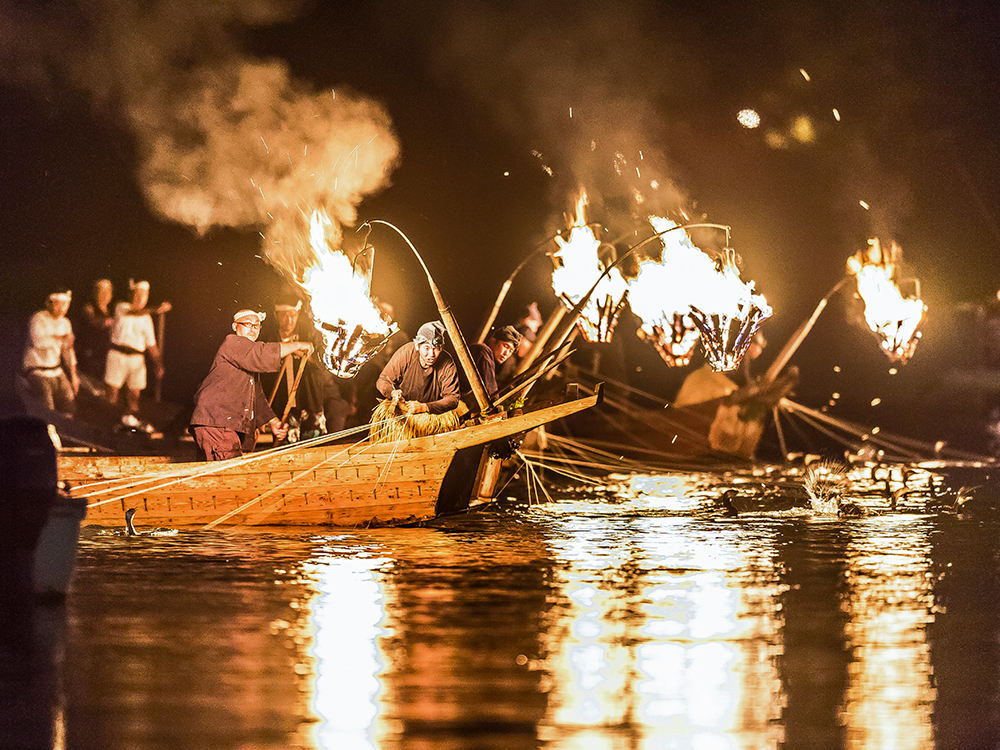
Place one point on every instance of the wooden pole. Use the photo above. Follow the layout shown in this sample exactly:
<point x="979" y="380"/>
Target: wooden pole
<point x="294" y="388"/>
<point x="454" y="332"/>
<point x="161" y="332"/>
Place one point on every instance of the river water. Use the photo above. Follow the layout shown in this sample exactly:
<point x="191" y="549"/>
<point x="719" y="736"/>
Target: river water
<point x="635" y="613"/>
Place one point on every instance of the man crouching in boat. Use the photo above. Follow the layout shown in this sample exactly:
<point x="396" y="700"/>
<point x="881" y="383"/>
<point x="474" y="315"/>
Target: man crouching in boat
<point x="230" y="405"/>
<point x="420" y="385"/>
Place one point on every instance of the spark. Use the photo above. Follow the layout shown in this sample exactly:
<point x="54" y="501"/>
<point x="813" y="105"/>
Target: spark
<point x="875" y="402"/>
<point x="640" y="156"/>
<point x="876" y="430"/>
<point x="570" y="111"/>
<point x="266" y="149"/>
<point x="637" y="173"/>
<point x="836" y="114"/>
<point x="864" y="205"/>
<point x="334" y="92"/>
<point x="655" y="184"/>
<point x="893" y="371"/>
<point x="506" y="174"/>
<point x="836" y="368"/>
<point x="804" y="73"/>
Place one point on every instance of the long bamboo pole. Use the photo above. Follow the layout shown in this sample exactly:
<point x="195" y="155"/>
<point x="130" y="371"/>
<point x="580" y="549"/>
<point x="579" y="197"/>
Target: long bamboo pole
<point x="506" y="288"/>
<point x="454" y="332"/>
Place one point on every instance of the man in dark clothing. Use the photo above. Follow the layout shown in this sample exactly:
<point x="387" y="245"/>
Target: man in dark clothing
<point x="320" y="402"/>
<point x="421" y="374"/>
<point x="230" y="405"/>
<point x="500" y="345"/>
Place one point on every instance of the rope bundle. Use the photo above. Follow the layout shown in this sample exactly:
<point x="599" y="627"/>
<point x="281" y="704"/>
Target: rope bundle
<point x="391" y="423"/>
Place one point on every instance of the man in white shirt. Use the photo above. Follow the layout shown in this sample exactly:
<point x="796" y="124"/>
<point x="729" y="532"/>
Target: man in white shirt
<point x="48" y="378"/>
<point x="132" y="336"/>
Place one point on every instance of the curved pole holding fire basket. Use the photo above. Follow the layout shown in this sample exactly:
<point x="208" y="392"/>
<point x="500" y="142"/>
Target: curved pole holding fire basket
<point x="454" y="332"/>
<point x="506" y="287"/>
<point x="796" y="341"/>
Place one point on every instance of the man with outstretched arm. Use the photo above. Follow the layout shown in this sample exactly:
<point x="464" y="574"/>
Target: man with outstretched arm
<point x="230" y="405"/>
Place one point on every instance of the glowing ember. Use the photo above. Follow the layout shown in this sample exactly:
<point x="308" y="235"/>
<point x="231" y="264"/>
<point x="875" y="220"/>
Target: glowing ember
<point x="688" y="294"/>
<point x="894" y="319"/>
<point x="578" y="265"/>
<point x="351" y="325"/>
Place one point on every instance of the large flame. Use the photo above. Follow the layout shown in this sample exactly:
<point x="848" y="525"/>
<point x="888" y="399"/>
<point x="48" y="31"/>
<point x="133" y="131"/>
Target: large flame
<point x="894" y="319"/>
<point x="578" y="265"/>
<point x="687" y="293"/>
<point x="352" y="326"/>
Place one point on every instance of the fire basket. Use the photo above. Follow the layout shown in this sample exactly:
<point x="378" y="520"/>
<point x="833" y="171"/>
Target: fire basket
<point x="346" y="346"/>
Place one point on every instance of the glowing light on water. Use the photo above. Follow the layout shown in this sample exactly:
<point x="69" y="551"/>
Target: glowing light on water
<point x="890" y="695"/>
<point x="347" y="617"/>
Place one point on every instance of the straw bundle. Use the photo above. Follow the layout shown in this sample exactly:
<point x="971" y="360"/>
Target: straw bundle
<point x="390" y="423"/>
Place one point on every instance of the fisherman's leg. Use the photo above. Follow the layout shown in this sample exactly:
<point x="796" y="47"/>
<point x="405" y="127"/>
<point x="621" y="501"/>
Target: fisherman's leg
<point x="63" y="397"/>
<point x="216" y="443"/>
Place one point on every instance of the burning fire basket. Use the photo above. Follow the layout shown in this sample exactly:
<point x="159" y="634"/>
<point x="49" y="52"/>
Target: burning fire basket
<point x="346" y="349"/>
<point x="675" y="342"/>
<point x="728" y="329"/>
<point x="895" y="319"/>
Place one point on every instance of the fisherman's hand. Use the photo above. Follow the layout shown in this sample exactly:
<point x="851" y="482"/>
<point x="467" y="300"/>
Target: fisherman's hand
<point x="278" y="428"/>
<point x="416" y="407"/>
<point x="163" y="308"/>
<point x="305" y="349"/>
<point x="396" y="395"/>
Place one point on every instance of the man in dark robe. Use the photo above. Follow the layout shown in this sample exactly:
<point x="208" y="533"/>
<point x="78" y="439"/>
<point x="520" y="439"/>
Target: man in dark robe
<point x="421" y="375"/>
<point x="230" y="405"/>
<point x="500" y="345"/>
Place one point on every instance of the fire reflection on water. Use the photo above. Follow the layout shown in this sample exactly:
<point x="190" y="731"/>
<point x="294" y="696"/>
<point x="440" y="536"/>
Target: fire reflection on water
<point x="635" y="614"/>
<point x="890" y="697"/>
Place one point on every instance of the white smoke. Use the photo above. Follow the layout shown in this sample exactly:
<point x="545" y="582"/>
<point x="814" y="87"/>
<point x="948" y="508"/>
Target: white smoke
<point x="224" y="140"/>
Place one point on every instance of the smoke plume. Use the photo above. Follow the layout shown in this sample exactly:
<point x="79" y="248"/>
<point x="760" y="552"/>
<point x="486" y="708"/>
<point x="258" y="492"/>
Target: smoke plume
<point x="224" y="140"/>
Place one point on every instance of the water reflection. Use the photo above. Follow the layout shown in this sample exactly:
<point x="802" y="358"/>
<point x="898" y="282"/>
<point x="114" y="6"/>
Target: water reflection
<point x="635" y="615"/>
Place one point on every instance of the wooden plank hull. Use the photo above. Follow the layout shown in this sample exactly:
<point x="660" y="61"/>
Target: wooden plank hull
<point x="330" y="485"/>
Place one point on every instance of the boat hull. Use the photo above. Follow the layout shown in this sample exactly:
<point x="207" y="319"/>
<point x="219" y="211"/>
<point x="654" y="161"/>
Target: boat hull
<point x="365" y="484"/>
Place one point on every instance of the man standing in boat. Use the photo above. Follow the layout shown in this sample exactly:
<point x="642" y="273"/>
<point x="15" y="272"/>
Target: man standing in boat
<point x="132" y="337"/>
<point x="319" y="397"/>
<point x="420" y="379"/>
<point x="230" y="405"/>
<point x="500" y="345"/>
<point x="48" y="378"/>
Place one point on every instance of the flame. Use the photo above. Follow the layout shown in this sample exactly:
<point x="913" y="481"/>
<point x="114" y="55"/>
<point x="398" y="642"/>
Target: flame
<point x="352" y="327"/>
<point x="578" y="264"/>
<point x="894" y="319"/>
<point x="688" y="294"/>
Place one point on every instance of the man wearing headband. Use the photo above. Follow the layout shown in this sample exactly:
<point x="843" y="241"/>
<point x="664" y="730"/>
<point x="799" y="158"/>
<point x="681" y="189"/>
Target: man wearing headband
<point x="132" y="336"/>
<point x="48" y="378"/>
<point x="501" y="344"/>
<point x="421" y="375"/>
<point x="230" y="405"/>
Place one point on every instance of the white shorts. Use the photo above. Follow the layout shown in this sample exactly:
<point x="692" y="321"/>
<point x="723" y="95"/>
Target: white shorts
<point x="125" y="369"/>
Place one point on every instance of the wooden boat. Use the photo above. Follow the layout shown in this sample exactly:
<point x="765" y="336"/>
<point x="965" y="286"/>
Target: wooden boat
<point x="330" y="485"/>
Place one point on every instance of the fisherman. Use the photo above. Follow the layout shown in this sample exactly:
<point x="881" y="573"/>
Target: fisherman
<point x="319" y="395"/>
<point x="132" y="337"/>
<point x="528" y="328"/>
<point x="48" y="378"/>
<point x="420" y="382"/>
<point x="501" y="344"/>
<point x="94" y="331"/>
<point x="230" y="406"/>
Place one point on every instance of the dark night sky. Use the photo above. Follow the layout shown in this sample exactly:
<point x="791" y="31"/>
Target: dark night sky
<point x="477" y="90"/>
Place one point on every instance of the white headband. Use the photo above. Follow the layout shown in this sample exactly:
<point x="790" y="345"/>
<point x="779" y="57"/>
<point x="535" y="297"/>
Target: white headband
<point x="248" y="313"/>
<point x="61" y="296"/>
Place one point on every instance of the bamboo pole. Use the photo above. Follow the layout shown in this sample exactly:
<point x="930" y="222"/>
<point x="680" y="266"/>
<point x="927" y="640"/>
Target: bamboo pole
<point x="454" y="332"/>
<point x="800" y="335"/>
<point x="506" y="288"/>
